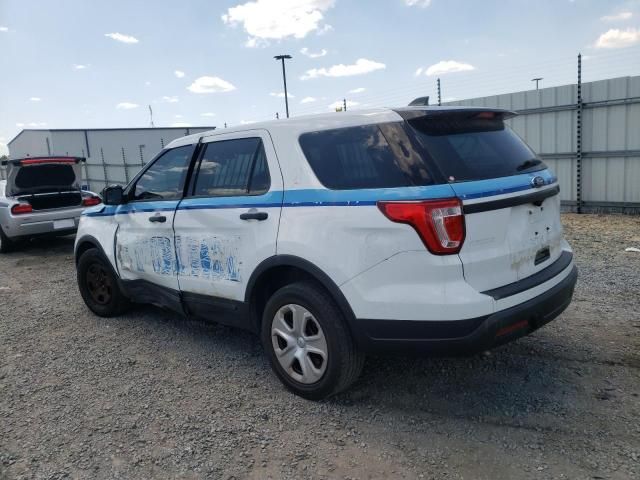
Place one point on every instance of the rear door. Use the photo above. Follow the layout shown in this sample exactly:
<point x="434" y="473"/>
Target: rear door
<point x="145" y="248"/>
<point x="510" y="198"/>
<point x="229" y="222"/>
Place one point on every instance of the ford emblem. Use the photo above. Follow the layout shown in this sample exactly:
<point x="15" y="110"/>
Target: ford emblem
<point x="537" y="182"/>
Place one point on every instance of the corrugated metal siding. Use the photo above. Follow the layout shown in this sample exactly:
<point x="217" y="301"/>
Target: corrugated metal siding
<point x="610" y="139"/>
<point x="113" y="156"/>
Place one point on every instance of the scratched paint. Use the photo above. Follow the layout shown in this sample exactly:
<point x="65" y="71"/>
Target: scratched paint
<point x="209" y="258"/>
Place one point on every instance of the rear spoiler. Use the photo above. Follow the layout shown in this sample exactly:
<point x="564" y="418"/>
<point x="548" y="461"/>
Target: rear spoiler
<point x="37" y="160"/>
<point x="409" y="113"/>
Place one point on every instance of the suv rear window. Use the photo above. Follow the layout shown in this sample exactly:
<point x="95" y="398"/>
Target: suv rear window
<point x="47" y="175"/>
<point x="423" y="150"/>
<point x="371" y="156"/>
<point x="474" y="146"/>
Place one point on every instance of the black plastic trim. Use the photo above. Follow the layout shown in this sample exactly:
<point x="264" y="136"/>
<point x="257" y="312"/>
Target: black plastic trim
<point x="536" y="198"/>
<point x="143" y="291"/>
<point x="220" y="310"/>
<point x="311" y="269"/>
<point x="563" y="261"/>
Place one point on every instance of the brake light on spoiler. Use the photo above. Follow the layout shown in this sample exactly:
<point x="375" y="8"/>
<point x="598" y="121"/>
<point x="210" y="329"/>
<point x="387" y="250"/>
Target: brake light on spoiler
<point x="40" y="160"/>
<point x="439" y="223"/>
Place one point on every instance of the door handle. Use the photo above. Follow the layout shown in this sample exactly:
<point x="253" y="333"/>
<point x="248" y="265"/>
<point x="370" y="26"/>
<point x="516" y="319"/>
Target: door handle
<point x="254" y="216"/>
<point x="158" y="218"/>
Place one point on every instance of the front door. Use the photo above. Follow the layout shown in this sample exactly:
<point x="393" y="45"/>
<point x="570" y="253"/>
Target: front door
<point x="228" y="223"/>
<point x="145" y="248"/>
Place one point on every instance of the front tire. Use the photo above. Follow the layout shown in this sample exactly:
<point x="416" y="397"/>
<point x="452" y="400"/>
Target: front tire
<point x="309" y="346"/>
<point x="98" y="285"/>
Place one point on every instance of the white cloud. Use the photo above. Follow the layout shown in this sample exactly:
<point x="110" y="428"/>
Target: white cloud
<point x="37" y="124"/>
<point x="617" y="17"/>
<point x="4" y="29"/>
<point x="168" y="99"/>
<point x="210" y="85"/>
<point x="35" y="99"/>
<point x="308" y="100"/>
<point x="80" y="66"/>
<point x="208" y="114"/>
<point x="147" y="83"/>
<point x="281" y="94"/>
<point x="177" y="115"/>
<point x="616" y="38"/>
<point x="417" y="3"/>
<point x="419" y="72"/>
<point x="444" y="67"/>
<point x="179" y="73"/>
<point x="126" y="106"/>
<point x="121" y="37"/>
<point x="247" y="122"/>
<point x="19" y="124"/>
<point x="324" y="29"/>
<point x="340" y="104"/>
<point x="357" y="90"/>
<point x="180" y="124"/>
<point x="361" y="66"/>
<point x="265" y="20"/>
<point x="305" y="51"/>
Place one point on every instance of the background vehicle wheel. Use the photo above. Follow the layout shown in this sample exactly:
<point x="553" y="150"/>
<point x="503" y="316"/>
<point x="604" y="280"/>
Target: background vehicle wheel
<point x="6" y="245"/>
<point x="308" y="343"/>
<point x="98" y="285"/>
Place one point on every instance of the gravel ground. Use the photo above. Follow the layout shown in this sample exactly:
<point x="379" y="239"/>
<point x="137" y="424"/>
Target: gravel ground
<point x="149" y="395"/>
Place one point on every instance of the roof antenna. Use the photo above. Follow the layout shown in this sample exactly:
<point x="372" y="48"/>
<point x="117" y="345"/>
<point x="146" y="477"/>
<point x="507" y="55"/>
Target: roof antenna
<point x="151" y="116"/>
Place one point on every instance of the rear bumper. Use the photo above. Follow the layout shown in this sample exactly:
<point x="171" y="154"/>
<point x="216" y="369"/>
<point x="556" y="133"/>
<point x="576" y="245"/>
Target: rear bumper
<point x="51" y="222"/>
<point x="467" y="336"/>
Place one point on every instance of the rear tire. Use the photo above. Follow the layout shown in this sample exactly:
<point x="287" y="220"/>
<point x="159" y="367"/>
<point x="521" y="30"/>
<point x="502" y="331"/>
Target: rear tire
<point x="309" y="346"/>
<point x="98" y="285"/>
<point x="6" y="245"/>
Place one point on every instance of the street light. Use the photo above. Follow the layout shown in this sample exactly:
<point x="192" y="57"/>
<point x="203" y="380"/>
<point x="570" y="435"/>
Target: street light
<point x="284" y="78"/>
<point x="536" y="80"/>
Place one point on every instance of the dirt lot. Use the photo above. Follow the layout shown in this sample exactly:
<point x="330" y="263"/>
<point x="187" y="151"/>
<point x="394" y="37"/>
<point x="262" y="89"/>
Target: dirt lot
<point x="150" y="395"/>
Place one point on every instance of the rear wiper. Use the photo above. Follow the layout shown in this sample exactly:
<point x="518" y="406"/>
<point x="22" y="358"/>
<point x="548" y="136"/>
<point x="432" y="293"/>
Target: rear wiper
<point x="532" y="162"/>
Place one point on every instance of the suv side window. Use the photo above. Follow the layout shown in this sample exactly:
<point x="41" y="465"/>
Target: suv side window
<point x="233" y="167"/>
<point x="164" y="179"/>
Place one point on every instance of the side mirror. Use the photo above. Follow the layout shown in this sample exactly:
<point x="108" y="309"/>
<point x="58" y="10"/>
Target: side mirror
<point x="113" y="195"/>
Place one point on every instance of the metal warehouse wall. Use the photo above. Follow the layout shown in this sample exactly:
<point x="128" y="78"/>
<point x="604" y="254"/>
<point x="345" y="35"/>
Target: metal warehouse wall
<point x="610" y="134"/>
<point x="113" y="155"/>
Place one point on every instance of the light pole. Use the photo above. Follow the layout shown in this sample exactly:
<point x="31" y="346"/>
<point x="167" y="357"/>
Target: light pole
<point x="537" y="80"/>
<point x="284" y="78"/>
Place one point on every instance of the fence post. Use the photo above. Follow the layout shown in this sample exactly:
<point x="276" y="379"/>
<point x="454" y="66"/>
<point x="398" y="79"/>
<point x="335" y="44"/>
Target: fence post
<point x="579" y="139"/>
<point x="124" y="162"/>
<point x="439" y="97"/>
<point x="104" y="167"/>
<point x="140" y="147"/>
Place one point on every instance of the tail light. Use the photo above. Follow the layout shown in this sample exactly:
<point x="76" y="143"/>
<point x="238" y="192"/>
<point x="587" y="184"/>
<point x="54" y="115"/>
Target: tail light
<point x="21" y="208"/>
<point x="91" y="201"/>
<point x="440" y="223"/>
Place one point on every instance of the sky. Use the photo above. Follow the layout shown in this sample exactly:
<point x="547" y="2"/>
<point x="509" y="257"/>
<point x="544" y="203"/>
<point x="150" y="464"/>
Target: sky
<point x="101" y="63"/>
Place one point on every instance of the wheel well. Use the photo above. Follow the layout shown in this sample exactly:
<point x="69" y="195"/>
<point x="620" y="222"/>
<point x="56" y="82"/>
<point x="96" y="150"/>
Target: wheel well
<point x="83" y="247"/>
<point x="275" y="278"/>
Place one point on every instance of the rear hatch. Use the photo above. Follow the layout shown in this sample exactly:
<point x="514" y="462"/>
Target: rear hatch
<point x="510" y="199"/>
<point x="45" y="182"/>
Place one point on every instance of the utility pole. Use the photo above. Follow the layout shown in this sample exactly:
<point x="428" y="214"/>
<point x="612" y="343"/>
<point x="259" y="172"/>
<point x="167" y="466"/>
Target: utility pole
<point x="277" y="116"/>
<point x="151" y="116"/>
<point x="537" y="80"/>
<point x="439" y="96"/>
<point x="284" y="79"/>
<point x="344" y="104"/>
<point x="579" y="138"/>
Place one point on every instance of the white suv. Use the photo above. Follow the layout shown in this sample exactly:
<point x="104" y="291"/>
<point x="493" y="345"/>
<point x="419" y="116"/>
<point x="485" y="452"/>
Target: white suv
<point x="423" y="229"/>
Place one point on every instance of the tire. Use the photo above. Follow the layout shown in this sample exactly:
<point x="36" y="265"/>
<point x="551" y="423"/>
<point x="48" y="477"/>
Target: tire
<point x="6" y="245"/>
<point x="304" y="310"/>
<point x="98" y="285"/>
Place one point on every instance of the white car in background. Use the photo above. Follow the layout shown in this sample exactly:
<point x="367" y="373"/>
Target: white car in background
<point x="419" y="228"/>
<point x="41" y="196"/>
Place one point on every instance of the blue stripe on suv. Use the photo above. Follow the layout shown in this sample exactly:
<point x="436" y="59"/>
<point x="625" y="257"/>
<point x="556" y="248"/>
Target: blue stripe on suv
<point x="341" y="198"/>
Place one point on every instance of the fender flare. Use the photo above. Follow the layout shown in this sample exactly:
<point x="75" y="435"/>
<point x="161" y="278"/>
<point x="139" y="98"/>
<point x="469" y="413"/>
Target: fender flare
<point x="314" y="271"/>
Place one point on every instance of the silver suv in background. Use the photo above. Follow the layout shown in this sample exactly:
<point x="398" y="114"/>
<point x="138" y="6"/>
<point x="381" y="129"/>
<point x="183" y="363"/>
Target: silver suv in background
<point x="41" y="196"/>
